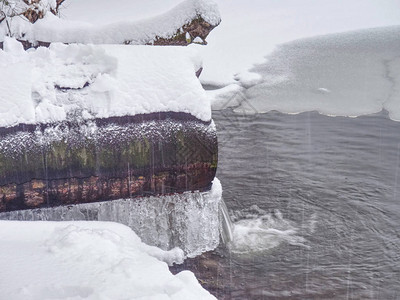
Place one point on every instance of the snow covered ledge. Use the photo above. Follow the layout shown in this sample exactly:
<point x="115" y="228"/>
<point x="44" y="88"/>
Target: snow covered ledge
<point x="190" y="21"/>
<point x="79" y="81"/>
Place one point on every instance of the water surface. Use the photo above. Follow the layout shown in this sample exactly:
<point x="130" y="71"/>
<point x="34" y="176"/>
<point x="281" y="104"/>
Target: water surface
<point x="315" y="200"/>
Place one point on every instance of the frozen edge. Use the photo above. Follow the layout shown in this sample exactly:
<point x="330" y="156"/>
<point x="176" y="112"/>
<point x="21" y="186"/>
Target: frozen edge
<point x="189" y="221"/>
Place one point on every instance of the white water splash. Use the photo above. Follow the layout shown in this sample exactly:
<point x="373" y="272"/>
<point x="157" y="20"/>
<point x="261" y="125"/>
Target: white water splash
<point x="258" y="231"/>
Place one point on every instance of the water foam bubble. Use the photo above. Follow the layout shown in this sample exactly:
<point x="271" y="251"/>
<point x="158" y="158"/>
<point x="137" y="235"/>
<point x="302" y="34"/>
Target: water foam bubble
<point x="261" y="231"/>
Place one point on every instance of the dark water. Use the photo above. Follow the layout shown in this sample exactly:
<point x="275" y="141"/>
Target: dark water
<point x="316" y="203"/>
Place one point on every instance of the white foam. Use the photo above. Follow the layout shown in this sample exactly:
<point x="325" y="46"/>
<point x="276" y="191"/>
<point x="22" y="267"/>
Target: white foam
<point x="258" y="231"/>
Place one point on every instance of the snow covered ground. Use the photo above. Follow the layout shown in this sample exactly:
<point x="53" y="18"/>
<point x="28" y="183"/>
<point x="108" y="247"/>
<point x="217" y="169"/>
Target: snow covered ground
<point x="87" y="260"/>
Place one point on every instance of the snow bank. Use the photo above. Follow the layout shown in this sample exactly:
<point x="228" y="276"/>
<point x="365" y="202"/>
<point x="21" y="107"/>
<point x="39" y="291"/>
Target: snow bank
<point x="228" y="96"/>
<point x="51" y="85"/>
<point x="347" y="74"/>
<point x="54" y="29"/>
<point x="15" y="85"/>
<point x="249" y="31"/>
<point x="86" y="260"/>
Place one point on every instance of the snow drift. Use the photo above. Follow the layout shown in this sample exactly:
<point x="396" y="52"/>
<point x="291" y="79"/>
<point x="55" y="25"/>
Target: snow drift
<point x="87" y="260"/>
<point x="48" y="85"/>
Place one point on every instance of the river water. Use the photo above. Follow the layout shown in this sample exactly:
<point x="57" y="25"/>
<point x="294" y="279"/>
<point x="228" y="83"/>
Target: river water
<point x="315" y="205"/>
<point x="315" y="200"/>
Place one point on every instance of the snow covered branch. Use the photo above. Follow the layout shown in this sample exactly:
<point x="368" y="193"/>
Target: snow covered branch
<point x="32" y="10"/>
<point x="26" y="10"/>
<point x="189" y="22"/>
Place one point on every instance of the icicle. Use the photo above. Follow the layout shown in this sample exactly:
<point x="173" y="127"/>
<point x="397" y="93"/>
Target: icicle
<point x="190" y="221"/>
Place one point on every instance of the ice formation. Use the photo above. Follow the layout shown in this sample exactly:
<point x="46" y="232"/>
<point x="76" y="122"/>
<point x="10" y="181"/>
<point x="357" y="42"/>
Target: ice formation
<point x="189" y="221"/>
<point x="48" y="85"/>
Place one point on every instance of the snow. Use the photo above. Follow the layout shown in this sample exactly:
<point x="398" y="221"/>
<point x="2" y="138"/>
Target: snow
<point x="198" y="40"/>
<point x="105" y="260"/>
<point x="98" y="81"/>
<point x="353" y="72"/>
<point x="19" y="6"/>
<point x="248" y="79"/>
<point x="86" y="260"/>
<point x="250" y="31"/>
<point x="347" y="74"/>
<point x="97" y="12"/>
<point x="247" y="36"/>
<point x="16" y="105"/>
<point x="139" y="32"/>
<point x="228" y="96"/>
<point x="188" y="221"/>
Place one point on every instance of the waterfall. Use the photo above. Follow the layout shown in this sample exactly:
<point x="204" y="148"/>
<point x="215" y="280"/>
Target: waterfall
<point x="226" y="225"/>
<point x="190" y="221"/>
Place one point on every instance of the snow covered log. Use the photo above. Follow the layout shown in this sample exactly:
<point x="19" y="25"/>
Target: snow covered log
<point x="105" y="159"/>
<point x="81" y="123"/>
<point x="189" y="22"/>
